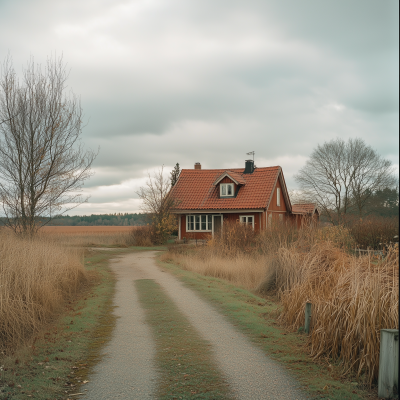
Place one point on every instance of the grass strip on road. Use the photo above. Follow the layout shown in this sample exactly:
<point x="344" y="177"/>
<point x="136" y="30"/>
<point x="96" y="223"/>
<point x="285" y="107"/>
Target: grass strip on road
<point x="56" y="363"/>
<point x="257" y="318"/>
<point x="184" y="359"/>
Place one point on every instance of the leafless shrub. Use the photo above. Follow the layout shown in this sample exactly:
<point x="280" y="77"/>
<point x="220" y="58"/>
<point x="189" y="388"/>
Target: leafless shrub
<point x="142" y="235"/>
<point x="374" y="232"/>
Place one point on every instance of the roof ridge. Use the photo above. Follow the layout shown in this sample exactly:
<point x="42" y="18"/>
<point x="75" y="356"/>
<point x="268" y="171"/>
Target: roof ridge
<point x="228" y="169"/>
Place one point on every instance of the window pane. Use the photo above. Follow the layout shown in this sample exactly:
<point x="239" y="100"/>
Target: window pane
<point x="197" y="224"/>
<point x="229" y="190"/>
<point x="204" y="222"/>
<point x="250" y="220"/>
<point x="210" y="222"/>
<point x="223" y="187"/>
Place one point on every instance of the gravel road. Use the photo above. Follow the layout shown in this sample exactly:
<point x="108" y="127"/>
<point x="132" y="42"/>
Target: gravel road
<point x="127" y="370"/>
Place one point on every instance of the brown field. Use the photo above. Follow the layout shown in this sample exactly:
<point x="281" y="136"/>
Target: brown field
<point x="84" y="236"/>
<point x="72" y="230"/>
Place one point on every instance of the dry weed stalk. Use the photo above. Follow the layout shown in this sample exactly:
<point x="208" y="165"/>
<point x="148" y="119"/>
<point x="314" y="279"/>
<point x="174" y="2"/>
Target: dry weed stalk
<point x="36" y="276"/>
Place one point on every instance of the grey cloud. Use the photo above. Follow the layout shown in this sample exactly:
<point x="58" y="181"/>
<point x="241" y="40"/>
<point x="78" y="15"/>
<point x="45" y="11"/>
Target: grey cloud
<point x="178" y="81"/>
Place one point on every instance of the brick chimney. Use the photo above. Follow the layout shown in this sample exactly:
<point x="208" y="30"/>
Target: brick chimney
<point x="197" y="165"/>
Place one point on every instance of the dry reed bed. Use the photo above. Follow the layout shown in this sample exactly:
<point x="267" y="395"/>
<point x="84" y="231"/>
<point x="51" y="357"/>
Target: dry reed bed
<point x="240" y="269"/>
<point x="353" y="297"/>
<point x="36" y="277"/>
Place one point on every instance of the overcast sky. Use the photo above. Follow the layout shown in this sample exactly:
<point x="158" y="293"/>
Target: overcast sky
<point x="183" y="81"/>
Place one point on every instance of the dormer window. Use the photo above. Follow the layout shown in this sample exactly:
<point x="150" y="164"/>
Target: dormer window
<point x="226" y="190"/>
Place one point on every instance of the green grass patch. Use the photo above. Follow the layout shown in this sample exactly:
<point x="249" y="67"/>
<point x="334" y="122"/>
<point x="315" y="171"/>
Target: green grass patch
<point x="185" y="360"/>
<point x="257" y="318"/>
<point x="56" y="362"/>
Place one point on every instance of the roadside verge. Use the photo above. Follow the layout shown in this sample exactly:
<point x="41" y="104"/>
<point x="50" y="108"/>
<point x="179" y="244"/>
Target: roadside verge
<point x="257" y="318"/>
<point x="55" y="363"/>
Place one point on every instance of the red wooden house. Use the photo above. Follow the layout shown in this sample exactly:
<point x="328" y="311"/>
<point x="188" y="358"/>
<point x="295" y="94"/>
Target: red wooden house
<point x="206" y="198"/>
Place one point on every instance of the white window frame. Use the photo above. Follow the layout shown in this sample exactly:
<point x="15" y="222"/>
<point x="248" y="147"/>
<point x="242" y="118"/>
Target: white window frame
<point x="243" y="219"/>
<point x="269" y="220"/>
<point x="225" y="185"/>
<point x="278" y="197"/>
<point x="208" y="216"/>
<point x="281" y="218"/>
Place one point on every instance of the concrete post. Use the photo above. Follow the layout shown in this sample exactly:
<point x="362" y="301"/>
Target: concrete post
<point x="388" y="364"/>
<point x="308" y="318"/>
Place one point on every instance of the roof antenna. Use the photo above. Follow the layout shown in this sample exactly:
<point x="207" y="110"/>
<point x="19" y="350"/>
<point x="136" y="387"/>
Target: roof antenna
<point x="251" y="153"/>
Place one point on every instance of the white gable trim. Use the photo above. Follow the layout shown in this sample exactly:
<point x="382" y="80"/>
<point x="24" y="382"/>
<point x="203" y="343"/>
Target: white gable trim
<point x="224" y="175"/>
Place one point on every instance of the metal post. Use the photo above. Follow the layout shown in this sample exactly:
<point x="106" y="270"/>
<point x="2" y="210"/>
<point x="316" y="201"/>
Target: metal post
<point x="388" y="379"/>
<point x="308" y="318"/>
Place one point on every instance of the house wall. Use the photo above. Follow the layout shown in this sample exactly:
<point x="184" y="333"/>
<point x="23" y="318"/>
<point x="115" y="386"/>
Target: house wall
<point x="274" y="209"/>
<point x="300" y="220"/>
<point x="235" y="217"/>
<point x="296" y="220"/>
<point x="226" y="217"/>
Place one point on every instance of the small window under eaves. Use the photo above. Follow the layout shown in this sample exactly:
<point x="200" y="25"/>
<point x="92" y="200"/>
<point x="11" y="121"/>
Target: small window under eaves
<point x="226" y="190"/>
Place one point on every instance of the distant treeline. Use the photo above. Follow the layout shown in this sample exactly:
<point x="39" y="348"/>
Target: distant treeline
<point x="380" y="204"/>
<point x="118" y="219"/>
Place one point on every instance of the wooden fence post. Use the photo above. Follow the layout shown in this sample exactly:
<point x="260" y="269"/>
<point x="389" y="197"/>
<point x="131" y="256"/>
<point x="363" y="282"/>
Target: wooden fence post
<point x="308" y="318"/>
<point x="388" y="380"/>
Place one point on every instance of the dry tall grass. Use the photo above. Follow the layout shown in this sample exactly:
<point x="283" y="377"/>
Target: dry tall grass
<point x="36" y="276"/>
<point x="353" y="297"/>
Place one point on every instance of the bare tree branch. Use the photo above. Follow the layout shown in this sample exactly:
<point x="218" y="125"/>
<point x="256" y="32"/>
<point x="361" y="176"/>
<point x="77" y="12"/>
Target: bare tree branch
<point x="158" y="204"/>
<point x="340" y="177"/>
<point x="42" y="163"/>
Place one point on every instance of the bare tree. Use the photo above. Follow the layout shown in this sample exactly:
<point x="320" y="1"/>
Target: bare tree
<point x="340" y="177"/>
<point x="42" y="163"/>
<point x="372" y="173"/>
<point x="158" y="204"/>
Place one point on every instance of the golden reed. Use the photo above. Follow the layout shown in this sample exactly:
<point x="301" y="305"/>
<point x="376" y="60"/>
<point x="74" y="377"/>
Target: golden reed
<point x="36" y="277"/>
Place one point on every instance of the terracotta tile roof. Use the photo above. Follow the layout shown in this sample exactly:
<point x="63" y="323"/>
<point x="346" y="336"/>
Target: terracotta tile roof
<point x="195" y="189"/>
<point x="306" y="208"/>
<point x="233" y="175"/>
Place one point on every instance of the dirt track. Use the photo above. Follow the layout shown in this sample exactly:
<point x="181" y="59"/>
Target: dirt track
<point x="127" y="370"/>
